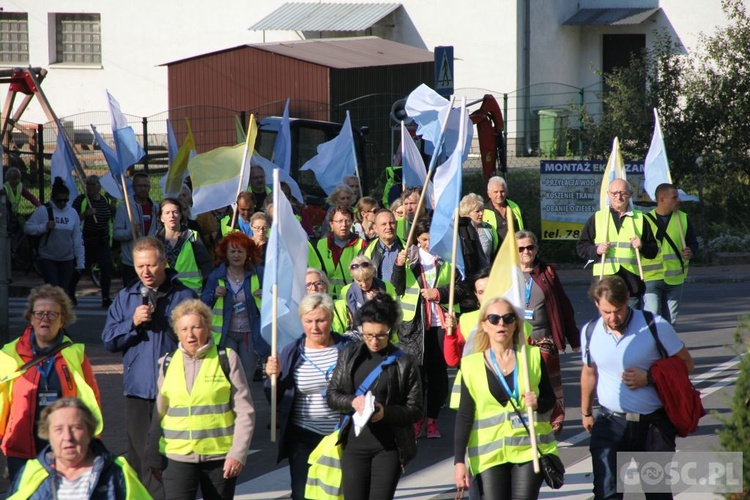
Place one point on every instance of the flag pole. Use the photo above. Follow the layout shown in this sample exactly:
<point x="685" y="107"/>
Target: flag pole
<point x="242" y="171"/>
<point x="356" y="163"/>
<point x="530" y="411"/>
<point x="637" y="254"/>
<point x="454" y="251"/>
<point x="127" y="206"/>
<point x="77" y="168"/>
<point x="275" y="307"/>
<point x="604" y="255"/>
<point x="430" y="172"/>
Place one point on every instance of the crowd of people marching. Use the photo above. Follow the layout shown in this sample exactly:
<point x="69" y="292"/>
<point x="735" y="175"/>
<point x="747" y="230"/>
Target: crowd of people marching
<point x="370" y="367"/>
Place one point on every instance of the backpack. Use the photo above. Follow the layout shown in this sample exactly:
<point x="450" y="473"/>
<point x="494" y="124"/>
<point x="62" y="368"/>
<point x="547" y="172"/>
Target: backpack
<point x="650" y="320"/>
<point x="223" y="361"/>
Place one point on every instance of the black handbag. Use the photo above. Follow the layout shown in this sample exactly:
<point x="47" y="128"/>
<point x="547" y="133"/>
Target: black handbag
<point x="550" y="465"/>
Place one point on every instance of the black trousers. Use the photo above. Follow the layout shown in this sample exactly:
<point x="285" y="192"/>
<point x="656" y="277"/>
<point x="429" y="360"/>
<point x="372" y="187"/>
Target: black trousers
<point x="182" y="479"/>
<point x="300" y="443"/>
<point x="510" y="481"/>
<point x="434" y="372"/>
<point x="369" y="470"/>
<point x="138" y="414"/>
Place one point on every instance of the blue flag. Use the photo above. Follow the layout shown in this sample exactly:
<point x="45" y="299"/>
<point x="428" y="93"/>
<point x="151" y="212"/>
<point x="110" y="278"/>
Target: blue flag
<point x="447" y="183"/>
<point x="286" y="267"/>
<point x="129" y="151"/>
<point x="335" y="160"/>
<point x="282" y="148"/>
<point x="413" y="169"/>
<point x="63" y="163"/>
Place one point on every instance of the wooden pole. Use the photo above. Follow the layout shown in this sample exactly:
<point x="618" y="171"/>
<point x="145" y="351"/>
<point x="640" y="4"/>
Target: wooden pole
<point x="127" y="206"/>
<point x="604" y="255"/>
<point x="637" y="254"/>
<point x="530" y="411"/>
<point x="454" y="252"/>
<point x="275" y="306"/>
<point x="242" y="175"/>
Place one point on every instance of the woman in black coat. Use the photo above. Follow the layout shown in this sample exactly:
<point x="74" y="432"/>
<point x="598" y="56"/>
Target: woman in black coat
<point x="374" y="457"/>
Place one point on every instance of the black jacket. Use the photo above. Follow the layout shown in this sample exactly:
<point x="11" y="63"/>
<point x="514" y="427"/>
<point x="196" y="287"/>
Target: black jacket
<point x="403" y="407"/>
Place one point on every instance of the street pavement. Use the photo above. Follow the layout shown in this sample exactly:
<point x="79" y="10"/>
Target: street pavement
<point x="714" y="298"/>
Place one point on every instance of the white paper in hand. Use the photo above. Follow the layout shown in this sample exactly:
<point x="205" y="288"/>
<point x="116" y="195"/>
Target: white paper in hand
<point x="361" y="419"/>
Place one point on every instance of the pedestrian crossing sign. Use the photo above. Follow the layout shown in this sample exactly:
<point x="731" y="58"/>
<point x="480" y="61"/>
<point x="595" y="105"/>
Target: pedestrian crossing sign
<point x="444" y="70"/>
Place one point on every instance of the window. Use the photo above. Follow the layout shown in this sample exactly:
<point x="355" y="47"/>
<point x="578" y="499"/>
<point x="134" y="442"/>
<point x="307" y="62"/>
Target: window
<point x="14" y="38"/>
<point x="78" y="38"/>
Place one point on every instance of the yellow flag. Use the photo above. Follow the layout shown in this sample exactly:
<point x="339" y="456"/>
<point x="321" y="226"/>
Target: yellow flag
<point x="178" y="170"/>
<point x="615" y="170"/>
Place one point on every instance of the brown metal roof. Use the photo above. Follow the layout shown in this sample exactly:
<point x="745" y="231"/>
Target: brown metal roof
<point x="325" y="16"/>
<point x="343" y="53"/>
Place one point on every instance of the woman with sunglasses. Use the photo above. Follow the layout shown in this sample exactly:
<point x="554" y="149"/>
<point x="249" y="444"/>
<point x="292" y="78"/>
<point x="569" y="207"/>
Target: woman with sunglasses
<point x="364" y="218"/>
<point x="62" y="370"/>
<point x="304" y="369"/>
<point x="487" y="426"/>
<point x="374" y="457"/>
<point x="57" y="227"/>
<point x="364" y="286"/>
<point x="550" y="314"/>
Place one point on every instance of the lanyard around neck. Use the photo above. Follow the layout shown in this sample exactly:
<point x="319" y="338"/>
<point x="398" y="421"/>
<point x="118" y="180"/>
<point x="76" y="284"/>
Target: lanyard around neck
<point x="501" y="378"/>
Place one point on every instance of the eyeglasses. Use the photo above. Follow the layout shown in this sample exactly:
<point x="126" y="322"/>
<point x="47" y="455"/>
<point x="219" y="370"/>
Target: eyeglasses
<point x="314" y="284"/>
<point x="621" y="194"/>
<point x="51" y="315"/>
<point x="529" y="248"/>
<point x="380" y="336"/>
<point x="494" y="319"/>
<point x="363" y="265"/>
<point x="261" y="229"/>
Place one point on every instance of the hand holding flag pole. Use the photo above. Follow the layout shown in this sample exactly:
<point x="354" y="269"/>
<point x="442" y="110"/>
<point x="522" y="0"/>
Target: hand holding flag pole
<point x="275" y="312"/>
<point x="530" y="411"/>
<point x="252" y="130"/>
<point x="430" y="173"/>
<point x="454" y="251"/>
<point x="637" y="253"/>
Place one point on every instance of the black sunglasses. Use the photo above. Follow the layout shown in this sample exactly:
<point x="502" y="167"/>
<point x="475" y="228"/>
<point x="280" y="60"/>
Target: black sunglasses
<point x="530" y="248"/>
<point x="508" y="319"/>
<point x="363" y="265"/>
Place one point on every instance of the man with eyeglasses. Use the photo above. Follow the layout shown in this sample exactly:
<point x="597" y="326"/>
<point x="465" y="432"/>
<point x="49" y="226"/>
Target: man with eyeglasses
<point x="334" y="253"/>
<point x="145" y="215"/>
<point x="498" y="208"/>
<point x="617" y="235"/>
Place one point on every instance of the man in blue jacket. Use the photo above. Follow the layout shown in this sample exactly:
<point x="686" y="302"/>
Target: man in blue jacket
<point x="138" y="327"/>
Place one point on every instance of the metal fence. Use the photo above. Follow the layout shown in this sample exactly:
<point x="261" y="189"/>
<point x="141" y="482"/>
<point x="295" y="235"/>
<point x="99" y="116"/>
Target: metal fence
<point x="540" y="123"/>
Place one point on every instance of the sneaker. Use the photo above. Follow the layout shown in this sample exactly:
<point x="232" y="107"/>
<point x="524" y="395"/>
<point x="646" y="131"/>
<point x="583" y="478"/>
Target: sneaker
<point x="432" y="429"/>
<point x="418" y="428"/>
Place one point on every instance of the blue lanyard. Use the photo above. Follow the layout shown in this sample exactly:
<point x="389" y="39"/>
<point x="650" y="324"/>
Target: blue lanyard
<point x="326" y="373"/>
<point x="529" y="284"/>
<point x="501" y="378"/>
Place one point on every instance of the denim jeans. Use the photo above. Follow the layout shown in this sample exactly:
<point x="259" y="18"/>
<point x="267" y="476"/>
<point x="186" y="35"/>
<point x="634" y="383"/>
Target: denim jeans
<point x="663" y="299"/>
<point x="611" y="434"/>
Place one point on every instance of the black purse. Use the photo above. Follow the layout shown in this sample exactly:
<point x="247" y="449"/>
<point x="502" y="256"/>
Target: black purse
<point x="550" y="465"/>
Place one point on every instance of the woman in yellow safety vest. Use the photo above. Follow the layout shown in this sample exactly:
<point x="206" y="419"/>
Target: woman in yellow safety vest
<point x="186" y="253"/>
<point x="205" y="412"/>
<point x="488" y="429"/>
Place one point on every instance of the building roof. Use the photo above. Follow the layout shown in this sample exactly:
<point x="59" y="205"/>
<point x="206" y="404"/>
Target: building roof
<point x="338" y="53"/>
<point x="609" y="17"/>
<point x="325" y="16"/>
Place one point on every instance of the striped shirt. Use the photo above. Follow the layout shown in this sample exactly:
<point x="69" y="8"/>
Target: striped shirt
<point x="311" y="411"/>
<point x="74" y="489"/>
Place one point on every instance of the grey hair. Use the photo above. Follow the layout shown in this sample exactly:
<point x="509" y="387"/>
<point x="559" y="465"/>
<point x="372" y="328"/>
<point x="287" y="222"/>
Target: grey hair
<point x="315" y="301"/>
<point x="88" y="416"/>
<point x="520" y="235"/>
<point x="497" y="180"/>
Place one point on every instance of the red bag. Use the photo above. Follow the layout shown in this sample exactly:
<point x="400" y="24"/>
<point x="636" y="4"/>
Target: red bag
<point x="681" y="400"/>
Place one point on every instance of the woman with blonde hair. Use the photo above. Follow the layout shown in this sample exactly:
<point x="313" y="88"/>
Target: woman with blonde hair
<point x="497" y="378"/>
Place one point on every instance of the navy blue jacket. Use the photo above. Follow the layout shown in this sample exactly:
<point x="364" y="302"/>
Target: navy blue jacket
<point x="289" y="360"/>
<point x="209" y="298"/>
<point x="108" y="478"/>
<point x="142" y="346"/>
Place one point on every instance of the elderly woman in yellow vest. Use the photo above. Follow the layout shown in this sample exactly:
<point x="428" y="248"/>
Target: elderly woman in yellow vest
<point x="185" y="251"/>
<point x="205" y="412"/>
<point x="75" y="464"/>
<point x="61" y="369"/>
<point x="487" y="427"/>
<point x="233" y="290"/>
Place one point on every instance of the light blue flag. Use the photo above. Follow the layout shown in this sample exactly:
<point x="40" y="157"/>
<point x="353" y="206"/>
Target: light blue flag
<point x="447" y="181"/>
<point x="286" y="266"/>
<point x="282" y="148"/>
<point x="268" y="167"/>
<point x="63" y="163"/>
<point x="172" y="146"/>
<point x="429" y="109"/>
<point x="335" y="160"/>
<point x="109" y="154"/>
<point x="129" y="151"/>
<point x="413" y="169"/>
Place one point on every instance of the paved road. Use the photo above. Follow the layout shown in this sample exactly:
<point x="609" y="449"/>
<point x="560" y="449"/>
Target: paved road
<point x="707" y="325"/>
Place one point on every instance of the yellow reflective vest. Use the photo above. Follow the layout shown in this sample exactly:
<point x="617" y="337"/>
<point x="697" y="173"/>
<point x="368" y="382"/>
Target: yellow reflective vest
<point x="324" y="476"/>
<point x="189" y="272"/>
<point x="667" y="266"/>
<point x="320" y="257"/>
<point x="14" y="196"/>
<point x="498" y="436"/>
<point x="490" y="217"/>
<point x="217" y="313"/>
<point x="201" y="421"/>
<point x="621" y="253"/>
